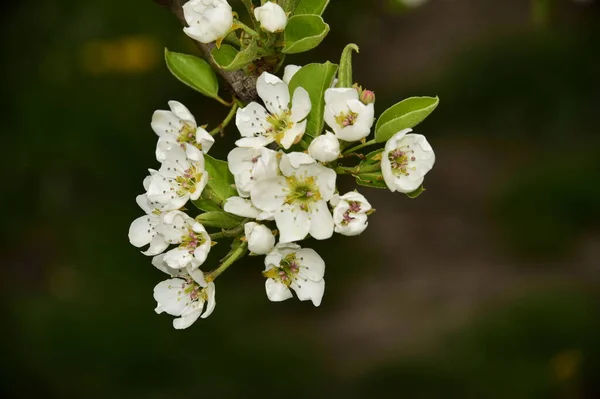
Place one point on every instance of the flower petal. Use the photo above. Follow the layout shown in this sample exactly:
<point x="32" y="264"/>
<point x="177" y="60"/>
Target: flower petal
<point x="251" y="120"/>
<point x="300" y="104"/>
<point x="276" y="291"/>
<point x="274" y="93"/>
<point x="293" y="223"/>
<point x="310" y="290"/>
<point x="321" y="221"/>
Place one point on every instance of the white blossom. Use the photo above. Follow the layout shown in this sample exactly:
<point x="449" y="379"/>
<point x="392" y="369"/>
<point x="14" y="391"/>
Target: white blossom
<point x="325" y="148"/>
<point x="259" y="237"/>
<point x="346" y="115"/>
<point x="298" y="198"/>
<point x="271" y="16"/>
<point x="184" y="295"/>
<point x="301" y="269"/>
<point x="282" y="123"/>
<point x="243" y="207"/>
<point x="249" y="165"/>
<point x="146" y="229"/>
<point x="208" y="20"/>
<point x="289" y="71"/>
<point x="350" y="213"/>
<point x="178" y="126"/>
<point x="406" y="160"/>
<point x="178" y="180"/>
<point x="193" y="241"/>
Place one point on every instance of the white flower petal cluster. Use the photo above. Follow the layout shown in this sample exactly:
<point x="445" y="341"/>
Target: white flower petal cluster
<point x="346" y="115"/>
<point x="406" y="160"/>
<point x="259" y="237"/>
<point x="184" y="295"/>
<point x="325" y="148"/>
<point x="271" y="16"/>
<point x="298" y="198"/>
<point x="180" y="178"/>
<point x="249" y="165"/>
<point x="350" y="213"/>
<point x="178" y="126"/>
<point x="301" y="269"/>
<point x="208" y="20"/>
<point x="282" y="121"/>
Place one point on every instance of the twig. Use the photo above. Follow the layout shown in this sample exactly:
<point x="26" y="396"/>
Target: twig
<point x="242" y="84"/>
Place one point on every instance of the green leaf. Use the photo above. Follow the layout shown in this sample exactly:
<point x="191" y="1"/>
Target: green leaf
<point x="303" y="33"/>
<point x="288" y="5"/>
<point x="194" y="72"/>
<point x="374" y="180"/>
<point x="230" y="59"/>
<point x="220" y="185"/>
<point x="416" y="193"/>
<point x="316" y="7"/>
<point x="315" y="79"/>
<point x="345" y="74"/>
<point x="406" y="114"/>
<point x="222" y="220"/>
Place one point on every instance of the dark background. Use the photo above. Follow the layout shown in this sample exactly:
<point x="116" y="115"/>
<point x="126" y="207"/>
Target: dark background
<point x="485" y="287"/>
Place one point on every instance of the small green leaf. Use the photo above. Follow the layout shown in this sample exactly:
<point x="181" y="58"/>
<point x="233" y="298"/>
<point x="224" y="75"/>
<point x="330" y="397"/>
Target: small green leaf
<point x="288" y="5"/>
<point x="230" y="59"/>
<point x="194" y="72"/>
<point x="316" y="7"/>
<point x="220" y="185"/>
<point x="303" y="33"/>
<point x="416" y="193"/>
<point x="315" y="79"/>
<point x="222" y="220"/>
<point x="345" y="74"/>
<point x="374" y="180"/>
<point x="406" y="114"/>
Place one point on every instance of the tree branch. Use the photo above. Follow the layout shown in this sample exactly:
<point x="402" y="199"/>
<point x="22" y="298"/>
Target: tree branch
<point x="241" y="84"/>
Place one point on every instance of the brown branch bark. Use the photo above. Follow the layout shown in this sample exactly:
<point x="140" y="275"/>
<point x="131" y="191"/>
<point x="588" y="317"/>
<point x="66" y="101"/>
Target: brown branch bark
<point x="240" y="83"/>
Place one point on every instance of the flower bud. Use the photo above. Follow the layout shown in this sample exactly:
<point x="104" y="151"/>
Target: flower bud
<point x="365" y="96"/>
<point x="208" y="20"/>
<point x="271" y="16"/>
<point x="325" y="148"/>
<point x="260" y="238"/>
<point x="350" y="213"/>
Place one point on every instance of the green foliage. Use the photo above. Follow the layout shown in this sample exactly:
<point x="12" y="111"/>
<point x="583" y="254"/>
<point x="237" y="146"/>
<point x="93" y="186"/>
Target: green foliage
<point x="345" y="74"/>
<point x="406" y="114"/>
<point x="416" y="193"/>
<point x="315" y="79"/>
<point x="374" y="180"/>
<point x="194" y="72"/>
<point x="222" y="220"/>
<point x="220" y="185"/>
<point x="316" y="7"/>
<point x="303" y="33"/>
<point x="230" y="59"/>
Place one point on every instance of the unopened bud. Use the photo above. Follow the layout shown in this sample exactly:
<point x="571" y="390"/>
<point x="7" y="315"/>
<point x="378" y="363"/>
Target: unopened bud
<point x="367" y="97"/>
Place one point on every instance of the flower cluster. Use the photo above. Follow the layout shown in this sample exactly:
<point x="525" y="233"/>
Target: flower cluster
<point x="279" y="184"/>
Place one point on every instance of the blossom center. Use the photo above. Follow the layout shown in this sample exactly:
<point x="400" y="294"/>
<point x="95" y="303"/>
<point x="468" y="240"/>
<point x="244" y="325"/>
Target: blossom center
<point x="346" y="119"/>
<point x="188" y="181"/>
<point x="192" y="240"/>
<point x="400" y="159"/>
<point x="193" y="290"/>
<point x="287" y="271"/>
<point x="187" y="133"/>
<point x="302" y="191"/>
<point x="279" y="124"/>
<point x="354" y="208"/>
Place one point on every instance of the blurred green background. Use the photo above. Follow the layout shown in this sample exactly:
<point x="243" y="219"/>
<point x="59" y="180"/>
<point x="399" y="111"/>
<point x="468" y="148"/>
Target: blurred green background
<point x="485" y="287"/>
